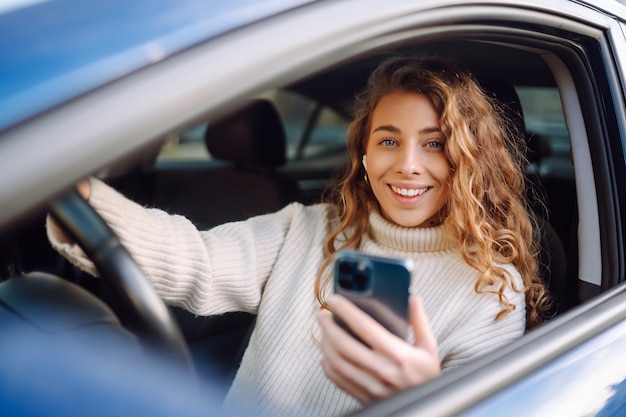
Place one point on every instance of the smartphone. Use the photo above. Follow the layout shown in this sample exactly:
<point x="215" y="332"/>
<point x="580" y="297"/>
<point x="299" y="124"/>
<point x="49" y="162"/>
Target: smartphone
<point x="377" y="285"/>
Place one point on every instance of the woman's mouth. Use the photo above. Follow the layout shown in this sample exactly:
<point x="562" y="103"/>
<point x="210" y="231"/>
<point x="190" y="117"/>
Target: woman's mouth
<point x="409" y="192"/>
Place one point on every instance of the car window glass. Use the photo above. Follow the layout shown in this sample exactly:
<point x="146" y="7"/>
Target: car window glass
<point x="326" y="134"/>
<point x="327" y="127"/>
<point x="185" y="146"/>
<point x="295" y="111"/>
<point x="543" y="115"/>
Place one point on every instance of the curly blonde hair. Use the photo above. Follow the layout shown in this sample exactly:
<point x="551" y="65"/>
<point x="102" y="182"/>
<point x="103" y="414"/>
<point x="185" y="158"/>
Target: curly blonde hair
<point x="487" y="212"/>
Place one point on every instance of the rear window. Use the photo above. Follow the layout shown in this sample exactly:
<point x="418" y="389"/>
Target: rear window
<point x="543" y="114"/>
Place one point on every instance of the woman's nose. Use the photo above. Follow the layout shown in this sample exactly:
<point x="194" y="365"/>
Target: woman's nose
<point x="410" y="161"/>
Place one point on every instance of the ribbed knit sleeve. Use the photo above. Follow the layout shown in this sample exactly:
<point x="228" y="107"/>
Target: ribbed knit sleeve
<point x="210" y="272"/>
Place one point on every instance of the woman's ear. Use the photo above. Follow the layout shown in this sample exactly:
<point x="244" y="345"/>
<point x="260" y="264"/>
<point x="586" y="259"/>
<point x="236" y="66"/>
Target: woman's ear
<point x="363" y="162"/>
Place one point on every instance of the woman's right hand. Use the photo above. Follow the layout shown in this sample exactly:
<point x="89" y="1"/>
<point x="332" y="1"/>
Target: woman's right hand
<point x="389" y="366"/>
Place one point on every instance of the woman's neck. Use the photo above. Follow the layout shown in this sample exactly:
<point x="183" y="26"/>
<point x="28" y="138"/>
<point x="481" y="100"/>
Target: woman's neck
<point x="406" y="239"/>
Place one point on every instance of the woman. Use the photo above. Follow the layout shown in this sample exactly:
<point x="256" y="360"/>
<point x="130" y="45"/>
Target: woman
<point x="437" y="156"/>
<point x="432" y="178"/>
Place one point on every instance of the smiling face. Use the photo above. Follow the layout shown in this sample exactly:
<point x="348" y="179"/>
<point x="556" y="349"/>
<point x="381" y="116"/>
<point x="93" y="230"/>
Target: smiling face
<point x="406" y="164"/>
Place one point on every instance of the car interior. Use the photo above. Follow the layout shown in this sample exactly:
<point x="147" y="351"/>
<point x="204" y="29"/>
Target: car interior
<point x="287" y="145"/>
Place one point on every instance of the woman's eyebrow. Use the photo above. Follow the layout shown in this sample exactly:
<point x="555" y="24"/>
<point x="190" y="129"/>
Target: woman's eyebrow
<point x="387" y="128"/>
<point x="394" y="129"/>
<point x="429" y="130"/>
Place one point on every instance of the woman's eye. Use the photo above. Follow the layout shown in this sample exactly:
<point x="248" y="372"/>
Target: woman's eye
<point x="435" y="144"/>
<point x="388" y="142"/>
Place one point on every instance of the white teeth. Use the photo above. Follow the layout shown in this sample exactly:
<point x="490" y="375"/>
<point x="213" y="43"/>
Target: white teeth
<point x="411" y="192"/>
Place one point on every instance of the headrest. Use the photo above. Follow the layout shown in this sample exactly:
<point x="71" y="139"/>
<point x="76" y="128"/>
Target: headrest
<point x="509" y="101"/>
<point x="253" y="136"/>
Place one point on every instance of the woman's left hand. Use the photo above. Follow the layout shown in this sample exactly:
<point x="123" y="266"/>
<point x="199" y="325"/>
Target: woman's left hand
<point x="389" y="365"/>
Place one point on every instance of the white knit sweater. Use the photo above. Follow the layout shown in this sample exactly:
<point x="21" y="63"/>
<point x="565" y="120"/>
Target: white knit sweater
<point x="267" y="265"/>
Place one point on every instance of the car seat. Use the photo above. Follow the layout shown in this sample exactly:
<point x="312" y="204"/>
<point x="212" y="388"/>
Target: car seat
<point x="247" y="147"/>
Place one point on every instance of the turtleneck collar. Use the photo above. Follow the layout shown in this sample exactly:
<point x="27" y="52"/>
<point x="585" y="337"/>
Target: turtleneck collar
<point x="407" y="239"/>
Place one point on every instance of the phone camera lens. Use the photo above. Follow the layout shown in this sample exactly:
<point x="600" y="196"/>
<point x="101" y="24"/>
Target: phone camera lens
<point x="345" y="268"/>
<point x="360" y="281"/>
<point x="345" y="283"/>
<point x="353" y="275"/>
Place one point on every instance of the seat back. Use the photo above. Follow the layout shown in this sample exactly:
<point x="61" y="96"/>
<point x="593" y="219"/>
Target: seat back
<point x="249" y="145"/>
<point x="253" y="137"/>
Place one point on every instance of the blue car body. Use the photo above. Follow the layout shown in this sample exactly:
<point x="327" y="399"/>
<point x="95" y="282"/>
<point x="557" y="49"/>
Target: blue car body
<point x="52" y="51"/>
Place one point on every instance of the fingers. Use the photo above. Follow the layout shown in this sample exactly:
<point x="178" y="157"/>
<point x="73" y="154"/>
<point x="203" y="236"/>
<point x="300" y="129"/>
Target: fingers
<point x="389" y="366"/>
<point x="387" y="345"/>
<point x="365" y="327"/>
<point x="422" y="331"/>
<point x="343" y="362"/>
<point x="84" y="188"/>
<point x="339" y="367"/>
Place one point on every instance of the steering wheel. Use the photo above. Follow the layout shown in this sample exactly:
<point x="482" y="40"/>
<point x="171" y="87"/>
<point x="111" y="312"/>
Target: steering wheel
<point x="149" y="317"/>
